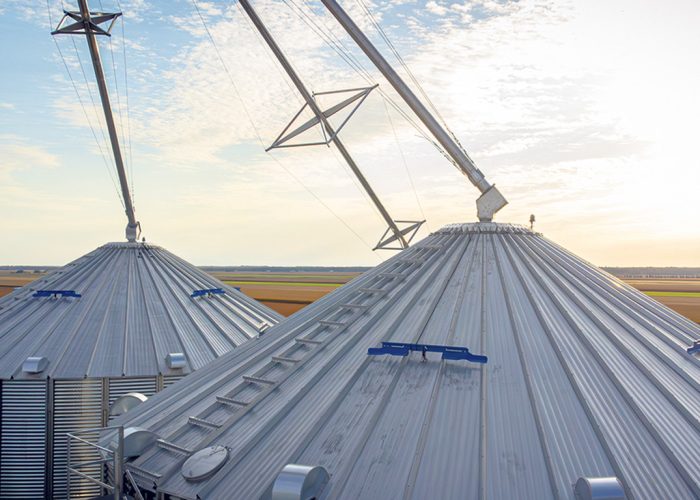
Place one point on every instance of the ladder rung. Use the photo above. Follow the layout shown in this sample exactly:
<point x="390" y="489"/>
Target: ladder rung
<point x="326" y="322"/>
<point x="173" y="447"/>
<point x="203" y="423"/>
<point x="282" y="359"/>
<point x="143" y="472"/>
<point x="354" y="306"/>
<point x="304" y="340"/>
<point x="258" y="380"/>
<point x="373" y="290"/>
<point x="231" y="401"/>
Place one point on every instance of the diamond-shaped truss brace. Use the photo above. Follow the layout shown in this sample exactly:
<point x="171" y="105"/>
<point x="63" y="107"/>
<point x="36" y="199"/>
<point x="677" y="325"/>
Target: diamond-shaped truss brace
<point x="408" y="232"/>
<point x="360" y="94"/>
<point x="81" y="27"/>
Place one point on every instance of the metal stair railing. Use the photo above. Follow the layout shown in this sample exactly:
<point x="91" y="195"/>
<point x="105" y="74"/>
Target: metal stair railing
<point x="133" y="484"/>
<point x="115" y="456"/>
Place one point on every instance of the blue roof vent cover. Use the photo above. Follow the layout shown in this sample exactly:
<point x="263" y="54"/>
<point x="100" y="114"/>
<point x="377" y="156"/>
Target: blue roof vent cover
<point x="56" y="293"/>
<point x="448" y="352"/>
<point x="207" y="292"/>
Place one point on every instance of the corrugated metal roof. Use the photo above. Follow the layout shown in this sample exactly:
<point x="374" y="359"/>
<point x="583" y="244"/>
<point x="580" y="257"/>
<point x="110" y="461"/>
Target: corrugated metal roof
<point x="586" y="377"/>
<point x="135" y="308"/>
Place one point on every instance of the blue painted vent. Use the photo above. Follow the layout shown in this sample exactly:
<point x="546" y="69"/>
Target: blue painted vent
<point x="695" y="348"/>
<point x="448" y="352"/>
<point x="56" y="293"/>
<point x="207" y="292"/>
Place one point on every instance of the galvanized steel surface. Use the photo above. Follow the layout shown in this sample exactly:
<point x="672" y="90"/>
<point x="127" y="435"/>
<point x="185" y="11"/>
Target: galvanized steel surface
<point x="586" y="378"/>
<point x="23" y="438"/>
<point x="135" y="309"/>
<point x="77" y="405"/>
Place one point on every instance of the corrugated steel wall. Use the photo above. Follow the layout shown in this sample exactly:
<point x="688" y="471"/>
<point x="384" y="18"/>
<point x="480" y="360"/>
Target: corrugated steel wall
<point x="170" y="380"/>
<point x="23" y="439"/>
<point x="77" y="405"/>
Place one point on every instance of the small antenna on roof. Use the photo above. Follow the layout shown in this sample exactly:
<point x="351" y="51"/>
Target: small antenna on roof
<point x="88" y="23"/>
<point x="532" y="221"/>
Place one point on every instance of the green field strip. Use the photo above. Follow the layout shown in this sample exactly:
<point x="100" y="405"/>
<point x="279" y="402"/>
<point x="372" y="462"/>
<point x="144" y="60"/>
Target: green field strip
<point x="285" y="283"/>
<point x="673" y="294"/>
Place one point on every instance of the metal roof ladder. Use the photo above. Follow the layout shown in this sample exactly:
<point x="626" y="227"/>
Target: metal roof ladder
<point x="254" y="387"/>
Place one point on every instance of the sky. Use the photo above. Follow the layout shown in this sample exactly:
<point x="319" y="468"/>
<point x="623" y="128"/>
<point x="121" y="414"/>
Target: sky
<point x="585" y="113"/>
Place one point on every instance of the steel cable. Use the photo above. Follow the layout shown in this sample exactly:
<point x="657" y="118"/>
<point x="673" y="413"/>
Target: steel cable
<point x="259" y="135"/>
<point x="82" y="105"/>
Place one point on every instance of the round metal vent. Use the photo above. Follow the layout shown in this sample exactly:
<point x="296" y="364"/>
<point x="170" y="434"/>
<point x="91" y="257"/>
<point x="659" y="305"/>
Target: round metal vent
<point x="35" y="364"/>
<point x="125" y="403"/>
<point x="599" y="488"/>
<point x="175" y="360"/>
<point x="136" y="441"/>
<point x="299" y="482"/>
<point x="204" y="463"/>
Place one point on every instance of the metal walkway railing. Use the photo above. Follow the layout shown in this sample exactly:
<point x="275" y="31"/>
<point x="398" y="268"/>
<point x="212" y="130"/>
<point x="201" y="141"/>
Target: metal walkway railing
<point x="87" y="439"/>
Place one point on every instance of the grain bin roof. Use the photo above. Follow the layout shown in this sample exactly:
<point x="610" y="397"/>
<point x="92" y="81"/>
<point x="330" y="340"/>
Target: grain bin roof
<point x="134" y="309"/>
<point x="586" y="377"/>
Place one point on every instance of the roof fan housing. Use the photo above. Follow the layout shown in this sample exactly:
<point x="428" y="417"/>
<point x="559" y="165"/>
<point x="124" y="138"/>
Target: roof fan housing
<point x="599" y="488"/>
<point x="298" y="482"/>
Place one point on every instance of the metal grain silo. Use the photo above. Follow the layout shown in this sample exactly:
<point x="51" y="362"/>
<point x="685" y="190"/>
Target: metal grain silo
<point x="126" y="318"/>
<point x="484" y="362"/>
<point x="115" y="321"/>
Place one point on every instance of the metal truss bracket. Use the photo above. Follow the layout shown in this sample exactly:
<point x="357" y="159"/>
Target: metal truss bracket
<point x="81" y="27"/>
<point x="408" y="232"/>
<point x="358" y="97"/>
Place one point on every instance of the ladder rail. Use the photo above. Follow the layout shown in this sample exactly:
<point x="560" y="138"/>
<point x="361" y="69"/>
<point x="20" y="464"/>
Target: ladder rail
<point x="240" y="413"/>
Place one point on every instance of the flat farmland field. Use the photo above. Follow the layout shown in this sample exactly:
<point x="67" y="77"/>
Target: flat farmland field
<point x="287" y="292"/>
<point x="9" y="280"/>
<point x="681" y="295"/>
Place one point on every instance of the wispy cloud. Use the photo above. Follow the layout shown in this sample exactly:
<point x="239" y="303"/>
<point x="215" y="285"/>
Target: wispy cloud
<point x="17" y="154"/>
<point x="571" y="126"/>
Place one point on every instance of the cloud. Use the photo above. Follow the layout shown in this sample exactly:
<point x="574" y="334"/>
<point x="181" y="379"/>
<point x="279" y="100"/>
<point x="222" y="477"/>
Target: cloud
<point x="17" y="154"/>
<point x="549" y="112"/>
<point x="436" y="8"/>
